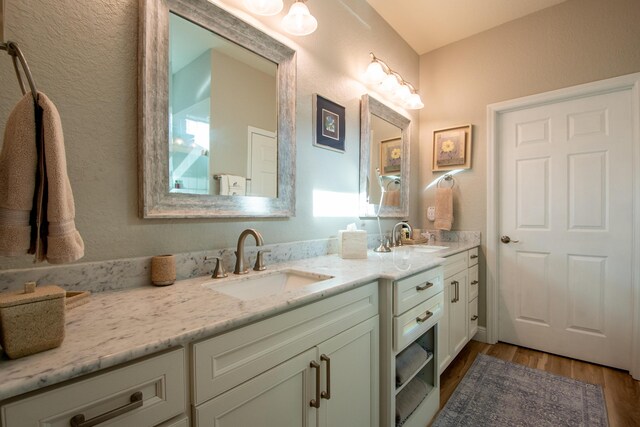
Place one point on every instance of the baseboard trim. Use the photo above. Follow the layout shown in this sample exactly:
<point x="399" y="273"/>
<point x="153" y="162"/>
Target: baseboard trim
<point x="481" y="335"/>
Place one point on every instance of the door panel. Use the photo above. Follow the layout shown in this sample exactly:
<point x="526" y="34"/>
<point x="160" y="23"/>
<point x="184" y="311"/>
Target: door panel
<point x="278" y="397"/>
<point x="565" y="173"/>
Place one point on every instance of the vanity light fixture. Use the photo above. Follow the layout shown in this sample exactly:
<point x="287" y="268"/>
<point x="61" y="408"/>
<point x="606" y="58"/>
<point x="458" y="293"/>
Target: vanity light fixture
<point x="299" y="21"/>
<point x="264" y="7"/>
<point x="392" y="84"/>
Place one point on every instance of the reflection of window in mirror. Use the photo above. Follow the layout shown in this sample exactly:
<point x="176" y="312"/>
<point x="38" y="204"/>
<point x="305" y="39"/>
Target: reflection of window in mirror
<point x="213" y="149"/>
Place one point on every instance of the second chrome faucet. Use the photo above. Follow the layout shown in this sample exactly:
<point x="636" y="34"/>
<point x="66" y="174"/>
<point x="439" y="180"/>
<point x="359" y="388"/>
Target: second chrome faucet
<point x="240" y="267"/>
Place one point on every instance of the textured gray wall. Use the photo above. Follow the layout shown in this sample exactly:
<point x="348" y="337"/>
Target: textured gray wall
<point x="83" y="54"/>
<point x="576" y="42"/>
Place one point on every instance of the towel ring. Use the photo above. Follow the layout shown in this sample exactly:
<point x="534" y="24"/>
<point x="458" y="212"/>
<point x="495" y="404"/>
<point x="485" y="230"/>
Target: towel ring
<point x="449" y="178"/>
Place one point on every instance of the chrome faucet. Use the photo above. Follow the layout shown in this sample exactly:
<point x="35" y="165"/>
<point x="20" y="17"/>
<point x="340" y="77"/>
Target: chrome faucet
<point x="394" y="240"/>
<point x="240" y="267"/>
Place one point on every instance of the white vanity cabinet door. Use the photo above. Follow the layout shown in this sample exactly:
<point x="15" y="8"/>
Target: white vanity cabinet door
<point x="278" y="397"/>
<point x="444" y="349"/>
<point x="351" y="369"/>
<point x="458" y="319"/>
<point x="160" y="379"/>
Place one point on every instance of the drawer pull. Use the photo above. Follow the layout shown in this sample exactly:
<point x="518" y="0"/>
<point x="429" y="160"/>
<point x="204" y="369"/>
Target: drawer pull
<point x="473" y="256"/>
<point x="136" y="402"/>
<point x="474" y="282"/>
<point x="424" y="287"/>
<point x="316" y="402"/>
<point x="474" y="318"/>
<point x="424" y="318"/>
<point x="327" y="394"/>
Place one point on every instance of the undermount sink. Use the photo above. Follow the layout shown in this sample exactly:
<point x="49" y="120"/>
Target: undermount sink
<point x="430" y="248"/>
<point x="266" y="284"/>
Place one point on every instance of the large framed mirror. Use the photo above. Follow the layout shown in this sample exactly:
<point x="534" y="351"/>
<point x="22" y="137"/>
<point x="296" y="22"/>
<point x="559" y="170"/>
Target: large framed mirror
<point x="217" y="115"/>
<point x="384" y="160"/>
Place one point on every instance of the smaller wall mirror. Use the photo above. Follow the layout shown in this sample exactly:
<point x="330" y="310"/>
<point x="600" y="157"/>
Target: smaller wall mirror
<point x="384" y="160"/>
<point x="217" y="111"/>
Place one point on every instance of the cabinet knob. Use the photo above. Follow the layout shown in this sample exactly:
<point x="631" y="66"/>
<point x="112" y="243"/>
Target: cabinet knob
<point x="473" y="256"/>
<point x="474" y="318"/>
<point x="474" y="282"/>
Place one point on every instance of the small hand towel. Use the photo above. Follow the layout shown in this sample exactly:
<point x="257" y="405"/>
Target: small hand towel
<point x="18" y="160"/>
<point x="444" y="209"/>
<point x="233" y="185"/>
<point x="36" y="203"/>
<point x="408" y="362"/>
<point x="63" y="243"/>
<point x="409" y="399"/>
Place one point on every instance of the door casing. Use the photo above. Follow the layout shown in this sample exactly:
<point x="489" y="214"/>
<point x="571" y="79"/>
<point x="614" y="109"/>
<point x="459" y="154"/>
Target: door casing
<point x="630" y="82"/>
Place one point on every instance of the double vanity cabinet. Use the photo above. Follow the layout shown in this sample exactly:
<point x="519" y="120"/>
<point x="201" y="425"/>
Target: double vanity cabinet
<point x="324" y="357"/>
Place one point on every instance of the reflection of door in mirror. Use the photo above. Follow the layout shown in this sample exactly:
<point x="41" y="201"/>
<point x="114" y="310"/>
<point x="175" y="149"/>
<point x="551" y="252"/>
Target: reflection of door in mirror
<point x="262" y="179"/>
<point x="210" y="81"/>
<point x="385" y="162"/>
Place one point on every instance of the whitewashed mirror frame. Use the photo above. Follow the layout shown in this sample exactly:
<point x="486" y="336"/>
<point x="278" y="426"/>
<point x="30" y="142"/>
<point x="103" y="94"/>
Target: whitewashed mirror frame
<point x="155" y="200"/>
<point x="370" y="106"/>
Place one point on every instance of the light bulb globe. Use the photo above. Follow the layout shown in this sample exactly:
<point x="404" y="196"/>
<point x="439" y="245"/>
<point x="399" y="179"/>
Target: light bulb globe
<point x="375" y="73"/>
<point x="299" y="21"/>
<point x="415" y="102"/>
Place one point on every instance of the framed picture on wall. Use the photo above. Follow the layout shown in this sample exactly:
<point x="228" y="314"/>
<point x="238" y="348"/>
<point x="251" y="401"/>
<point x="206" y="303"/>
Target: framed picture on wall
<point x="328" y="124"/>
<point x="452" y="148"/>
<point x="390" y="156"/>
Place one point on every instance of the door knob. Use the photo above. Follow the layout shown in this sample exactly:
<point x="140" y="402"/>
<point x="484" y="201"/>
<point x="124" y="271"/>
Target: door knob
<point x="507" y="239"/>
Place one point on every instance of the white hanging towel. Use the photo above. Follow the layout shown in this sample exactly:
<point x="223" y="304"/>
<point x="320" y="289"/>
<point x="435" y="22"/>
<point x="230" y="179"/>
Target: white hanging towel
<point x="233" y="185"/>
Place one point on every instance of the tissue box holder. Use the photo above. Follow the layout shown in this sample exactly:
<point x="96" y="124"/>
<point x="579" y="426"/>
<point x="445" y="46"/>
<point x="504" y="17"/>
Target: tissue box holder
<point x="31" y="322"/>
<point x="352" y="244"/>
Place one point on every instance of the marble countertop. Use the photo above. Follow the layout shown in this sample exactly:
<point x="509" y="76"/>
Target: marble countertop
<point x="119" y="326"/>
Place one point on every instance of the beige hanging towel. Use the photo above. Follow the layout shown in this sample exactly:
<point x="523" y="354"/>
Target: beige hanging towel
<point x="444" y="209"/>
<point x="37" y="212"/>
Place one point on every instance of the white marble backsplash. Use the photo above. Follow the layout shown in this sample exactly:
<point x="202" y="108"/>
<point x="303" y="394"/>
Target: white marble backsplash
<point x="127" y="273"/>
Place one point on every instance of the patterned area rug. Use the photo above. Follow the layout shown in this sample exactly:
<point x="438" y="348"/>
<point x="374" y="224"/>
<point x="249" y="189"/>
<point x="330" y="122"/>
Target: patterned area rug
<point x="498" y="393"/>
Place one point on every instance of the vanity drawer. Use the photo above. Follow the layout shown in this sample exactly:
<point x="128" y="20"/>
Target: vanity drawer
<point x="160" y="379"/>
<point x="473" y="256"/>
<point x="416" y="321"/>
<point x="411" y="291"/>
<point x="223" y="362"/>
<point x="454" y="264"/>
<point x="473" y="282"/>
<point x="473" y="318"/>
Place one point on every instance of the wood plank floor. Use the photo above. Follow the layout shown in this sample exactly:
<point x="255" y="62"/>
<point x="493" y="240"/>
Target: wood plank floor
<point x="622" y="393"/>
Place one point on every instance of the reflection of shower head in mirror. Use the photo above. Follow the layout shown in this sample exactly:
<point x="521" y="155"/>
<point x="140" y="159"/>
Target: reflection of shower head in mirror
<point x="386" y="181"/>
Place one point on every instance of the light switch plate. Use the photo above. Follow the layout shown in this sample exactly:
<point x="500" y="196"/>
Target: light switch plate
<point x="431" y="213"/>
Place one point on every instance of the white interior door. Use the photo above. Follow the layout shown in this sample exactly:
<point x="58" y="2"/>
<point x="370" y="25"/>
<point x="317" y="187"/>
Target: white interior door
<point x="263" y="163"/>
<point x="565" y="189"/>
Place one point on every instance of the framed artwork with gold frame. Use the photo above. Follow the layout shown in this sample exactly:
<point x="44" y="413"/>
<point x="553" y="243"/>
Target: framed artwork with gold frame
<point x="390" y="156"/>
<point x="452" y="148"/>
